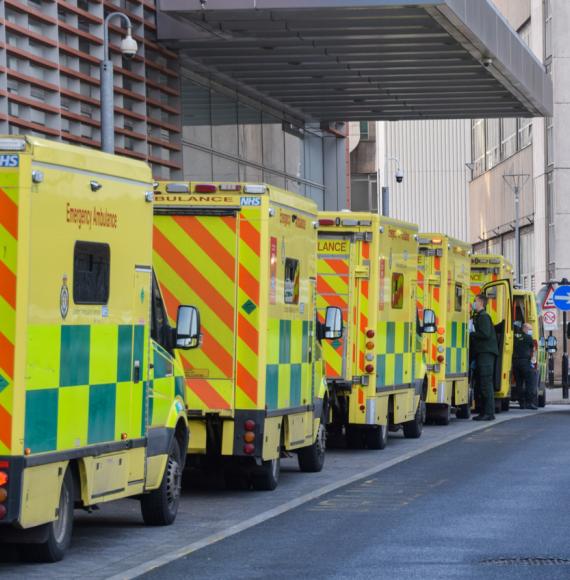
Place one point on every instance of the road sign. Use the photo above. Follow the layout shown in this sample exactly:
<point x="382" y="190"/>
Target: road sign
<point x="550" y="320"/>
<point x="548" y="303"/>
<point x="561" y="298"/>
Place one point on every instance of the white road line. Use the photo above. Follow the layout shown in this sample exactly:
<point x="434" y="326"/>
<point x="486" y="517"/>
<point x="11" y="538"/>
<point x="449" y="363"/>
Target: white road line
<point x="292" y="504"/>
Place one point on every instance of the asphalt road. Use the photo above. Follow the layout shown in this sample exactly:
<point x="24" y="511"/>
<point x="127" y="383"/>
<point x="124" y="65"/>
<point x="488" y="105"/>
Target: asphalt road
<point x="492" y="504"/>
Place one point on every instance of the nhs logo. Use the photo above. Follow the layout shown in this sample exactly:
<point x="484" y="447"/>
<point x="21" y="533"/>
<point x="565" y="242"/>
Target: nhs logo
<point x="250" y="201"/>
<point x="9" y="160"/>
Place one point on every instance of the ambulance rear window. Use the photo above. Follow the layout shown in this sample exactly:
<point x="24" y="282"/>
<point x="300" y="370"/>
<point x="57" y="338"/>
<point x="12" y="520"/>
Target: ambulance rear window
<point x="292" y="279"/>
<point x="397" y="291"/>
<point x="91" y="273"/>
<point x="458" y="297"/>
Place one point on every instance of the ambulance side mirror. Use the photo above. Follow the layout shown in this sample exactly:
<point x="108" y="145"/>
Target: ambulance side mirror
<point x="333" y="323"/>
<point x="430" y="326"/>
<point x="551" y="344"/>
<point x="187" y="328"/>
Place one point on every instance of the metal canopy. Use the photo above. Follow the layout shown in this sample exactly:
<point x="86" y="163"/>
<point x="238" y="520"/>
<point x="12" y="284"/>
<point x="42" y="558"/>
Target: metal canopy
<point x="332" y="60"/>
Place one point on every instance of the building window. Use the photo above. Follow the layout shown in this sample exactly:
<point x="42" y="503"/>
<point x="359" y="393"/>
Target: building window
<point x="508" y="138"/>
<point x="547" y="29"/>
<point x="550" y="213"/>
<point x="525" y="133"/>
<point x="493" y="143"/>
<point x="549" y="141"/>
<point x="478" y="146"/>
<point x="364" y="130"/>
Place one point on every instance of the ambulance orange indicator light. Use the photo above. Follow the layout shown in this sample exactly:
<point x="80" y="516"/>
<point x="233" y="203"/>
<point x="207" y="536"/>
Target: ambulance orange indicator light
<point x="3" y="495"/>
<point x="27" y="451"/>
<point x="440" y="339"/>
<point x="441" y="330"/>
<point x="124" y="436"/>
<point x="3" y="478"/>
<point x="370" y="345"/>
<point x="249" y="437"/>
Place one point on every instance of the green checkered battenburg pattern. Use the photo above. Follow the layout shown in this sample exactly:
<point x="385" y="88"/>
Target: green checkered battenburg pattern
<point x="395" y="365"/>
<point x="289" y="379"/>
<point x="79" y="388"/>
<point x="456" y="352"/>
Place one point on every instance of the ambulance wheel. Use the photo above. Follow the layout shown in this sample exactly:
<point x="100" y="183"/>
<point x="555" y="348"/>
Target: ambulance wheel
<point x="265" y="477"/>
<point x="160" y="506"/>
<point x="413" y="429"/>
<point x="505" y="405"/>
<point x="463" y="411"/>
<point x="443" y="415"/>
<point x="542" y="400"/>
<point x="376" y="437"/>
<point x="312" y="459"/>
<point x="58" y="532"/>
<point x="354" y="438"/>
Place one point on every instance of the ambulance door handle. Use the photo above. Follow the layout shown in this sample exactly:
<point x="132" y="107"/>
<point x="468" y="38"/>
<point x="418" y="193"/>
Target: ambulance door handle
<point x="137" y="371"/>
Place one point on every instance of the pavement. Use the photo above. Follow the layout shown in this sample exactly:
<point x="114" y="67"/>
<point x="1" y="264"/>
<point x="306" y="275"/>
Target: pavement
<point x="492" y="505"/>
<point x="113" y="542"/>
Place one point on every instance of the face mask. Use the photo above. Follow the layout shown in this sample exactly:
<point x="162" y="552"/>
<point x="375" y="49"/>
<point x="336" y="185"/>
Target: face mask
<point x="474" y="307"/>
<point x="529" y="332"/>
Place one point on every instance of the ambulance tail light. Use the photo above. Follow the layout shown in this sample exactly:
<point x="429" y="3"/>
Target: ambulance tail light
<point x="3" y="478"/>
<point x="249" y="448"/>
<point x="369" y="368"/>
<point x="249" y="425"/>
<point x="230" y="187"/>
<point x="440" y="358"/>
<point x="3" y="490"/>
<point x="249" y="437"/>
<point x="205" y="188"/>
<point x="370" y="345"/>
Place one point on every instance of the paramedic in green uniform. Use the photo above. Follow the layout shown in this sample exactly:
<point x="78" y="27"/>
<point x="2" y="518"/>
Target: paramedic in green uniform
<point x="485" y="350"/>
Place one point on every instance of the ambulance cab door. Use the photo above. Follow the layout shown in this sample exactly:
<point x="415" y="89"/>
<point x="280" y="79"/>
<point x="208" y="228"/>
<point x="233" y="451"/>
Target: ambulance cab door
<point x="500" y="302"/>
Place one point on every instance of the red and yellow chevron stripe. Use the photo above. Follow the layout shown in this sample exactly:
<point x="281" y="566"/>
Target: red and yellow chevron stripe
<point x="8" y="279"/>
<point x="213" y="262"/>
<point x="363" y="308"/>
<point x="333" y="290"/>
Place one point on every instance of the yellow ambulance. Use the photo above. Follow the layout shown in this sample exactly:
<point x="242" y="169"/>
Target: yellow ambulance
<point x="493" y="275"/>
<point x="91" y="390"/>
<point x="368" y="268"/>
<point x="246" y="255"/>
<point x="443" y="286"/>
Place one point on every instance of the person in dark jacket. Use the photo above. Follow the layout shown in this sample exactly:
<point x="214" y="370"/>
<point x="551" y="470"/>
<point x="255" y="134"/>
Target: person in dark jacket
<point x="485" y="350"/>
<point x="525" y="374"/>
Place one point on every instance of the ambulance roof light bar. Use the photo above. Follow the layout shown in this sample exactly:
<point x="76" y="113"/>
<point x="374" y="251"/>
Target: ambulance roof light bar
<point x="255" y="189"/>
<point x="12" y="144"/>
<point x="177" y="188"/>
<point x="205" y="188"/>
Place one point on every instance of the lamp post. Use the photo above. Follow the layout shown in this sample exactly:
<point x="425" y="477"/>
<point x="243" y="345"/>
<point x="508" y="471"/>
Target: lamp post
<point x="516" y="181"/>
<point x="128" y="49"/>
<point x="386" y="187"/>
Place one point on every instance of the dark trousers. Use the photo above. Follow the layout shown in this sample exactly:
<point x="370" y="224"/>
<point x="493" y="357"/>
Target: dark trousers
<point x="485" y="369"/>
<point x="526" y="379"/>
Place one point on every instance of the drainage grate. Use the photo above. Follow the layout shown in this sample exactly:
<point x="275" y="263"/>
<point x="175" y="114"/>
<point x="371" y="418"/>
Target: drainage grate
<point x="537" y="561"/>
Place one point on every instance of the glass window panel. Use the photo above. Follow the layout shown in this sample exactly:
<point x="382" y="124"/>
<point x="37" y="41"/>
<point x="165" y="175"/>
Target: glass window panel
<point x="225" y="169"/>
<point x="273" y="143"/>
<point x="478" y="146"/>
<point x="250" y="134"/>
<point x="508" y="137"/>
<point x="251" y="174"/>
<point x="317" y="195"/>
<point x="224" y="124"/>
<point x="197" y="164"/>
<point x="295" y="186"/>
<point x="313" y="166"/>
<point x="525" y="133"/>
<point x="273" y="179"/>
<point x="196" y="113"/>
<point x="492" y="143"/>
<point x="294" y="155"/>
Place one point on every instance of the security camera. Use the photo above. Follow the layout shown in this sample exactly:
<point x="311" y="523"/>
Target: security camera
<point x="129" y="46"/>
<point x="487" y="62"/>
<point x="399" y="176"/>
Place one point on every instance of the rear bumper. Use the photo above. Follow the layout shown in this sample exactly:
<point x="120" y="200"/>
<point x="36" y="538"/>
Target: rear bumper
<point x="15" y="471"/>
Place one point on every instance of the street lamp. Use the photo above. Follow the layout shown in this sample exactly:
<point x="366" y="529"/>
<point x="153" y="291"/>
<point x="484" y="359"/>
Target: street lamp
<point x="386" y="189"/>
<point x="128" y="50"/>
<point x="516" y="181"/>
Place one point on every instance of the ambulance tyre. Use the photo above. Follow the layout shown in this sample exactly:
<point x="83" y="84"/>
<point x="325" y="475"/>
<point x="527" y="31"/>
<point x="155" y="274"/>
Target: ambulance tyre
<point x="312" y="458"/>
<point x="505" y="404"/>
<point x="376" y="437"/>
<point x="443" y="415"/>
<point x="265" y="477"/>
<point x="413" y="429"/>
<point x="463" y="411"/>
<point x="542" y="400"/>
<point x="160" y="506"/>
<point x="58" y="532"/>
